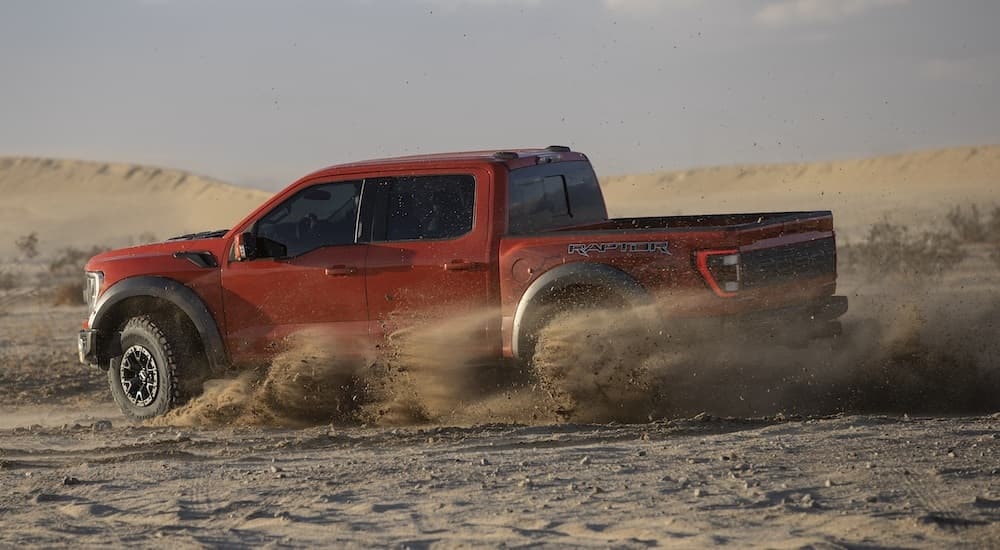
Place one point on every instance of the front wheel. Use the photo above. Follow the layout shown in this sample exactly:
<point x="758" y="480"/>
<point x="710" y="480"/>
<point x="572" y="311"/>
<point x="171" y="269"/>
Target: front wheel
<point x="143" y="379"/>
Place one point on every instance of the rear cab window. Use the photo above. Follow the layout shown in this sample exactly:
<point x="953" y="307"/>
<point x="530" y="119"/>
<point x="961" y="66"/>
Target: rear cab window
<point x="553" y="196"/>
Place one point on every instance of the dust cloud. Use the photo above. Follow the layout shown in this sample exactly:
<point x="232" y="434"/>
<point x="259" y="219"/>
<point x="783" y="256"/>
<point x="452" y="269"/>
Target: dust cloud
<point x="911" y="350"/>
<point x="309" y="383"/>
<point x="918" y="353"/>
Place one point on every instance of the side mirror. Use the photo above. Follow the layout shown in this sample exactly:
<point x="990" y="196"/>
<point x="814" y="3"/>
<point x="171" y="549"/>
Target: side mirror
<point x="245" y="247"/>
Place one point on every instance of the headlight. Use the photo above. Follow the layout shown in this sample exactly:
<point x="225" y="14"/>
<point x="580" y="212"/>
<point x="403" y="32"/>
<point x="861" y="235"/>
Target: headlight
<point x="92" y="288"/>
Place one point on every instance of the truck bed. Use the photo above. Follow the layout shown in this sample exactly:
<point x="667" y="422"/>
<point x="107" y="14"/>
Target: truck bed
<point x="785" y="258"/>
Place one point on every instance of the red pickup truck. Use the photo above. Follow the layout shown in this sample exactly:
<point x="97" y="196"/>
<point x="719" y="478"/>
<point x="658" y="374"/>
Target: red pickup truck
<point x="360" y="248"/>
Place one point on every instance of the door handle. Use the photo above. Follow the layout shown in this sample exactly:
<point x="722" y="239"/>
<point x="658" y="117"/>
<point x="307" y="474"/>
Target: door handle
<point x="340" y="270"/>
<point x="461" y="265"/>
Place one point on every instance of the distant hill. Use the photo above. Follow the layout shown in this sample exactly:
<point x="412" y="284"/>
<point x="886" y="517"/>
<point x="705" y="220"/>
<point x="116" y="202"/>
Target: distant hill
<point x="912" y="188"/>
<point x="81" y="203"/>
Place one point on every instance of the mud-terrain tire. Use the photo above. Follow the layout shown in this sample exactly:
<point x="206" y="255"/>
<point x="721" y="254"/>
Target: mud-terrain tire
<point x="143" y="379"/>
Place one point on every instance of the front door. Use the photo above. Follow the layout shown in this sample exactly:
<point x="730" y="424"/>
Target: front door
<point x="309" y="274"/>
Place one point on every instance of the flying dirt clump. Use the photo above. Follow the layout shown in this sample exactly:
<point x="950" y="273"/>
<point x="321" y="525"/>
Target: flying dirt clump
<point x="432" y="371"/>
<point x="308" y="384"/>
<point x="593" y="365"/>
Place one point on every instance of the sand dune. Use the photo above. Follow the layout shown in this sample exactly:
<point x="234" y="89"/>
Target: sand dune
<point x="915" y="188"/>
<point x="80" y="203"/>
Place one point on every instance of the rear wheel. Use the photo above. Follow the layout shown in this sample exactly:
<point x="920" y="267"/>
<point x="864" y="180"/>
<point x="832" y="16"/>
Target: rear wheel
<point x="584" y="357"/>
<point x="580" y="301"/>
<point x="143" y="379"/>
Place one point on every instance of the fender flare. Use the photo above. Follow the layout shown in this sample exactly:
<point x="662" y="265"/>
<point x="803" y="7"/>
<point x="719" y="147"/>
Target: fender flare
<point x="577" y="273"/>
<point x="177" y="294"/>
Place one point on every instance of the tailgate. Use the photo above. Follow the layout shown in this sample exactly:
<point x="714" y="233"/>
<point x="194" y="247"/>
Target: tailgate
<point x="807" y="258"/>
<point x="788" y="252"/>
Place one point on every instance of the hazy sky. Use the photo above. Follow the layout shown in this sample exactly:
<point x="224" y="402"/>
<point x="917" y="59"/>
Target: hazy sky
<point x="261" y="92"/>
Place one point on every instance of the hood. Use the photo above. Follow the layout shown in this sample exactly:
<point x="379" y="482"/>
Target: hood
<point x="196" y="251"/>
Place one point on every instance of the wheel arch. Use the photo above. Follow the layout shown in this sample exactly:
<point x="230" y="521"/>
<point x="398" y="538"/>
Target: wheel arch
<point x="149" y="295"/>
<point x="612" y="282"/>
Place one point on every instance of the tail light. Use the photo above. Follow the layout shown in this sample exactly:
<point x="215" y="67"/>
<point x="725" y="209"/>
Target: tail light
<point x="721" y="270"/>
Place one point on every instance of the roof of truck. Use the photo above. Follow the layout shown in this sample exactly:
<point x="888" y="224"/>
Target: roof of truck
<point x="513" y="158"/>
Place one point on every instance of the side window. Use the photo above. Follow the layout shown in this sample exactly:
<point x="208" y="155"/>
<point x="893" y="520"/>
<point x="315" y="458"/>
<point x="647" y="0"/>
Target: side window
<point x="321" y="215"/>
<point x="542" y="195"/>
<point x="429" y="207"/>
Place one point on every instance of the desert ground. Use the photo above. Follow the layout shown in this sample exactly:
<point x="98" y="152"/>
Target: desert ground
<point x="887" y="437"/>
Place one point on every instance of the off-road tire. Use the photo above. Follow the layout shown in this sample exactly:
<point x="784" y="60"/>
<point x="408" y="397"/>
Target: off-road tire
<point x="146" y="347"/>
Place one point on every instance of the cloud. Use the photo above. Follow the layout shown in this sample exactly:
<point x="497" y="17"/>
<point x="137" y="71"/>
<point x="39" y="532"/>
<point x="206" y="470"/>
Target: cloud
<point x="641" y="7"/>
<point x="793" y="12"/>
<point x="948" y="69"/>
<point x="461" y="3"/>
<point x="633" y="7"/>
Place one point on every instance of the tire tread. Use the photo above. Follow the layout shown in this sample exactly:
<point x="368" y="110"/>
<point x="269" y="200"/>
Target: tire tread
<point x="145" y="324"/>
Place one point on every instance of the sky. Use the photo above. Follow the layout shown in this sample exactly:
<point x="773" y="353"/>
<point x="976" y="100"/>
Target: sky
<point x="260" y="93"/>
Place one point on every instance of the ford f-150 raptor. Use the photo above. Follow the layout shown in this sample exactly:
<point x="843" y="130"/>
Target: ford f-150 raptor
<point x="359" y="248"/>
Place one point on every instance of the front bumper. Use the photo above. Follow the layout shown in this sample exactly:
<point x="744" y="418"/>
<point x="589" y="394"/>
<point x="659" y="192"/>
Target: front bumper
<point x="86" y="344"/>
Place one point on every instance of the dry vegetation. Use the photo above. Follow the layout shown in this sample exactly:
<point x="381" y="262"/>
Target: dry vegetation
<point x="58" y="281"/>
<point x="895" y="250"/>
<point x="970" y="226"/>
<point x="9" y="280"/>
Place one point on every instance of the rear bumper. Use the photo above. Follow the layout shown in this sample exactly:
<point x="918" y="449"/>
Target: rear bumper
<point x="86" y="345"/>
<point x="823" y="309"/>
<point x="799" y="323"/>
<point x="832" y="308"/>
<point x="814" y="319"/>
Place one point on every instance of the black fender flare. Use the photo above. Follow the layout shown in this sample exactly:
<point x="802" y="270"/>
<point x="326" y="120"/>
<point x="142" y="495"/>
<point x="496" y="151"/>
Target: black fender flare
<point x="577" y="273"/>
<point x="177" y="294"/>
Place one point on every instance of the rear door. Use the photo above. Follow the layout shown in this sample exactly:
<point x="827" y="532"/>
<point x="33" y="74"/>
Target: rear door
<point x="431" y="255"/>
<point x="309" y="273"/>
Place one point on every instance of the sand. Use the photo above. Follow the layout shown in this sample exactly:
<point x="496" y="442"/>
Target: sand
<point x="81" y="204"/>
<point x="912" y="188"/>
<point x="891" y="438"/>
<point x="851" y="482"/>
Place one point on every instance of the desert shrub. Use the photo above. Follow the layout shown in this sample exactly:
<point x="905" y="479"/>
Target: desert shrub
<point x="70" y="260"/>
<point x="993" y="228"/>
<point x="27" y="245"/>
<point x="67" y="294"/>
<point x="9" y="280"/>
<point x="891" y="250"/>
<point x="969" y="224"/>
